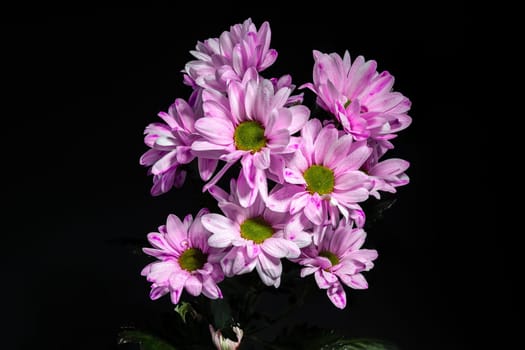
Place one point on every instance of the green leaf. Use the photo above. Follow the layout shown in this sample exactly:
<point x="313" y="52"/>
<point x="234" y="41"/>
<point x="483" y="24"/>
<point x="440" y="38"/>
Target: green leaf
<point x="359" y="344"/>
<point x="184" y="308"/>
<point x="145" y="340"/>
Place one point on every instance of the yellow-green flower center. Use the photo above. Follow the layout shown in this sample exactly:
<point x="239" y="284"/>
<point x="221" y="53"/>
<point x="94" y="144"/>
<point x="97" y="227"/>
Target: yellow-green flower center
<point x="319" y="179"/>
<point x="249" y="136"/>
<point x="192" y="259"/>
<point x="347" y="103"/>
<point x="256" y="229"/>
<point x="334" y="260"/>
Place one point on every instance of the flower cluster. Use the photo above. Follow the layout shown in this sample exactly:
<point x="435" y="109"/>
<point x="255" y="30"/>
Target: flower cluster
<point x="301" y="179"/>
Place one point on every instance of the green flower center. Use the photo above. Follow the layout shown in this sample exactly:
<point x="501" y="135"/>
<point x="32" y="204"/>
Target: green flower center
<point x="347" y="103"/>
<point x="192" y="259"/>
<point x="334" y="260"/>
<point x="249" y="136"/>
<point x="256" y="229"/>
<point x="319" y="179"/>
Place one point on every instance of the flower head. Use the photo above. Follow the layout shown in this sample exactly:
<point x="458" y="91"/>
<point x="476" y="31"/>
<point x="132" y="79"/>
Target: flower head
<point x="185" y="261"/>
<point x="219" y="60"/>
<point x="252" y="124"/>
<point x="323" y="178"/>
<point x="170" y="144"/>
<point x="256" y="237"/>
<point x="359" y="97"/>
<point x="335" y="257"/>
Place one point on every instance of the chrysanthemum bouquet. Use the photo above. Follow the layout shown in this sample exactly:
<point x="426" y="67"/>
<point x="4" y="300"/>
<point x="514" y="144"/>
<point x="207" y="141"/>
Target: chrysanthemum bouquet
<point x="290" y="209"/>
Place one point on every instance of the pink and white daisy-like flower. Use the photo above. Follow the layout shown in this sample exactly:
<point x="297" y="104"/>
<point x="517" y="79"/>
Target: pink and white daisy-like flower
<point x="256" y="237"/>
<point x="323" y="179"/>
<point x="336" y="258"/>
<point x="170" y="144"/>
<point x="219" y="60"/>
<point x="251" y="124"/>
<point x="358" y="96"/>
<point x="185" y="261"/>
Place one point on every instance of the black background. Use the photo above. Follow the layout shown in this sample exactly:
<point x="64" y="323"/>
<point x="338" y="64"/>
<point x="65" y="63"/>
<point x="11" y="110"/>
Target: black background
<point x="82" y="86"/>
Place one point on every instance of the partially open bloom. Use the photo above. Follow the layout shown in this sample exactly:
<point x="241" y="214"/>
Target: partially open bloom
<point x="223" y="343"/>
<point x="170" y="144"/>
<point x="359" y="97"/>
<point x="256" y="238"/>
<point x="185" y="261"/>
<point x="336" y="257"/>
<point x="219" y="60"/>
<point x="251" y="124"/>
<point x="323" y="179"/>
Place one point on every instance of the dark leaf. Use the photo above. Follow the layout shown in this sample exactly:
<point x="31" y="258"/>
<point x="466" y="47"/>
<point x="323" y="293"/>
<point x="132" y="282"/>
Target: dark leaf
<point x="359" y="344"/>
<point x="221" y="312"/>
<point x="145" y="340"/>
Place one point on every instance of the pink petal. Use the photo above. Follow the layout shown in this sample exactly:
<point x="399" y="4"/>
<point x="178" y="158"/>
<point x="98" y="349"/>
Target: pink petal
<point x="357" y="155"/>
<point x="306" y="271"/>
<point x="337" y="152"/>
<point x="216" y="130"/>
<point x="298" y="202"/>
<point x="314" y="209"/>
<point x="309" y="133"/>
<point x="261" y="159"/>
<point x="324" y="141"/>
<point x="208" y="150"/>
<point x="360" y="78"/>
<point x="321" y="280"/>
<point x="270" y="266"/>
<point x="389" y="168"/>
<point x="210" y="289"/>
<point x="223" y="230"/>
<point x="278" y="141"/>
<point x="352" y="196"/>
<point x="168" y="161"/>
<point x="300" y="115"/>
<point x="236" y="262"/>
<point x="280" y="248"/>
<point x="278" y="120"/>
<point x="177" y="233"/>
<point x="350" y="180"/>
<point x="217" y="176"/>
<point x="337" y="295"/>
<point x="279" y="200"/>
<point x="245" y="192"/>
<point x="261" y="183"/>
<point x="150" y="157"/>
<point x="207" y="168"/>
<point x="358" y="281"/>
<point x="157" y="292"/>
<point x="236" y="99"/>
<point x="159" y="241"/>
<point x="293" y="176"/>
<point x="193" y="285"/>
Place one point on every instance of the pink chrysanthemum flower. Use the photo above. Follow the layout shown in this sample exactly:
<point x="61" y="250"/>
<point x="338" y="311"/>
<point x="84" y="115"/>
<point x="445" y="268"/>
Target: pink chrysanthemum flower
<point x="251" y="124"/>
<point x="219" y="60"/>
<point x="358" y="96"/>
<point x="323" y="178"/>
<point x="185" y="261"/>
<point x="257" y="238"/>
<point x="170" y="144"/>
<point x="336" y="257"/>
